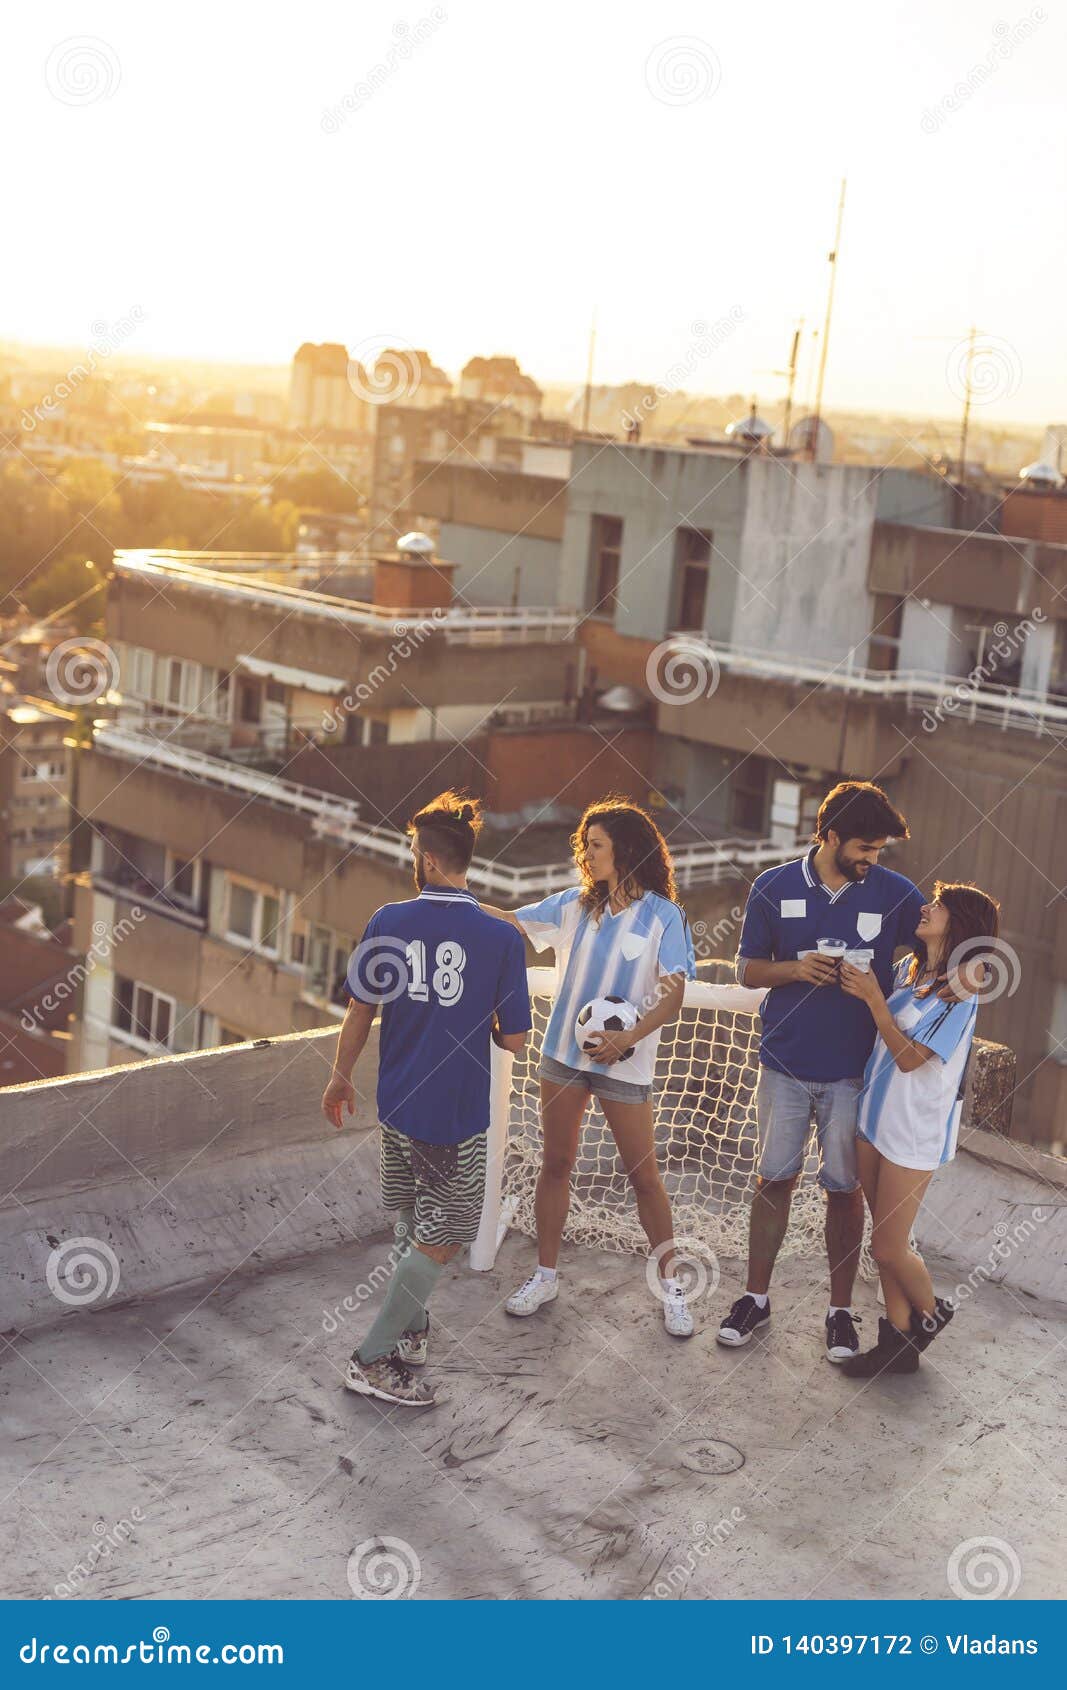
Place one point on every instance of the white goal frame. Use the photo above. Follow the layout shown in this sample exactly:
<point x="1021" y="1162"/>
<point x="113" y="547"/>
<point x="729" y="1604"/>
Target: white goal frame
<point x="497" y="1212"/>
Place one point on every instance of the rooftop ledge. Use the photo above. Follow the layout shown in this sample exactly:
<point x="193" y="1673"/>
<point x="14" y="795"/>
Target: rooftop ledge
<point x="575" y="1456"/>
<point x="967" y="698"/>
<point x="249" y="580"/>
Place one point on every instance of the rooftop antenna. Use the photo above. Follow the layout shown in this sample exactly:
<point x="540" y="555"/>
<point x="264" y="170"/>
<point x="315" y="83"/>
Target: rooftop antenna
<point x="791" y="373"/>
<point x="589" y="375"/>
<point x="965" y="422"/>
<point x="826" y="325"/>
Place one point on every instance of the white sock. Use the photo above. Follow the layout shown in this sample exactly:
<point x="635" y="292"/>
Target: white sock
<point x="546" y="1273"/>
<point x="832" y="1310"/>
<point x="758" y="1297"/>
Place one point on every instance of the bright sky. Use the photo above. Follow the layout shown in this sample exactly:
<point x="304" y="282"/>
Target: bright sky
<point x="667" y="164"/>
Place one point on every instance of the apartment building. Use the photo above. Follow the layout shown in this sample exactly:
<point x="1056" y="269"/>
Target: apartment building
<point x="35" y="770"/>
<point x="243" y="810"/>
<point x="832" y="620"/>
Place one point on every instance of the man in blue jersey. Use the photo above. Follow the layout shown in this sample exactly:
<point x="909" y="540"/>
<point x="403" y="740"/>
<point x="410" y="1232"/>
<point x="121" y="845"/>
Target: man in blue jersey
<point x="815" y="1040"/>
<point x="448" y="979"/>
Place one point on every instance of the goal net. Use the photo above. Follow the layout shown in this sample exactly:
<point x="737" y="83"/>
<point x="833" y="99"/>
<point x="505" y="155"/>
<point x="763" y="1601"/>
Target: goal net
<point x="704" y="1097"/>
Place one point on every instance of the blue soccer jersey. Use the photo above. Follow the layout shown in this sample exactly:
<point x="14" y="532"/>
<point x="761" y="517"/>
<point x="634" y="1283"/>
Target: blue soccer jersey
<point x="620" y="955"/>
<point x="441" y="969"/>
<point x="913" y="1119"/>
<point x="819" y="1032"/>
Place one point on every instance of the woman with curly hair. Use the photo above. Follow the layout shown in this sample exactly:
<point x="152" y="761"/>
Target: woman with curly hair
<point x="910" y="1106"/>
<point x="620" y="933"/>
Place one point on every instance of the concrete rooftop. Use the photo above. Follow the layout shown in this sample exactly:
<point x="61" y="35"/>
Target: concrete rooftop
<point x="580" y="1454"/>
<point x="185" y="1434"/>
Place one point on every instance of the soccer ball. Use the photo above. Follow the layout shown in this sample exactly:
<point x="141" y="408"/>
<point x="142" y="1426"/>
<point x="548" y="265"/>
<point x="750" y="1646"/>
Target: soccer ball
<point x="605" y="1015"/>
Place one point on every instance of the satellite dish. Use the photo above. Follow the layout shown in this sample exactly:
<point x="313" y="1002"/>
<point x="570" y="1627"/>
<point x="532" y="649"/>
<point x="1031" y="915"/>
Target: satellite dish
<point x="419" y="544"/>
<point x="808" y="429"/>
<point x="1041" y="475"/>
<point x="622" y="699"/>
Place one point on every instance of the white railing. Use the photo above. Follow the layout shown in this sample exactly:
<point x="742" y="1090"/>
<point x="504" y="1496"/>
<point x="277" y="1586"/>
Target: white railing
<point x="218" y="772"/>
<point x="468" y="625"/>
<point x="337" y="821"/>
<point x="948" y="697"/>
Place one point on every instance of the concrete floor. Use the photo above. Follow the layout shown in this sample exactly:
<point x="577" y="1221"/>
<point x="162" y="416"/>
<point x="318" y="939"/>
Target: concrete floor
<point x="200" y="1444"/>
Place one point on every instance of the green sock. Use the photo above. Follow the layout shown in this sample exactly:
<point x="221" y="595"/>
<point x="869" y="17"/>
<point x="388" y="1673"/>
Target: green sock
<point x="404" y="1308"/>
<point x="404" y="1233"/>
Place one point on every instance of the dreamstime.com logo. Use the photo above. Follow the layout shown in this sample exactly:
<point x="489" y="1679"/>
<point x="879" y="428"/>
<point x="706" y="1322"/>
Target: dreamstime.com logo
<point x="992" y="371"/>
<point x="81" y="1271"/>
<point x="1003" y="970"/>
<point x="680" y="671"/>
<point x="106" y="1539"/>
<point x="384" y="371"/>
<point x="406" y="37"/>
<point x="383" y="1569"/>
<point x="706" y="1539"/>
<point x="1006" y="643"/>
<point x="79" y="671"/>
<point x="984" y="1569"/>
<point x="1007" y="37"/>
<point x="82" y="70"/>
<point x="694" y="1265"/>
<point x="407" y="637"/>
<point x="105" y="939"/>
<point x="106" y="340"/>
<point x="708" y="338"/>
<point x="682" y="70"/>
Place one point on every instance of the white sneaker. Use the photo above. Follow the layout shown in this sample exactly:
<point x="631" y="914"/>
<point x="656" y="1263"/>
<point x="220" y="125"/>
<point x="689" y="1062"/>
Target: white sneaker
<point x="529" y="1297"/>
<point x="676" y="1316"/>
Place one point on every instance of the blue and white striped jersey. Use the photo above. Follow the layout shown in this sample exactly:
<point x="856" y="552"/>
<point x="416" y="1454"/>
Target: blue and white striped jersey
<point x="622" y="956"/>
<point x="914" y="1119"/>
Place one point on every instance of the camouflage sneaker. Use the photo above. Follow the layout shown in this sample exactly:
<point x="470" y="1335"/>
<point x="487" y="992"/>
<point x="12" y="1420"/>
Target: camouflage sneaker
<point x="389" y="1380"/>
<point x="411" y="1347"/>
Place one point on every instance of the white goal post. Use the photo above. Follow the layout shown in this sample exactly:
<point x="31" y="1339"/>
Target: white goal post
<point x="704" y="1099"/>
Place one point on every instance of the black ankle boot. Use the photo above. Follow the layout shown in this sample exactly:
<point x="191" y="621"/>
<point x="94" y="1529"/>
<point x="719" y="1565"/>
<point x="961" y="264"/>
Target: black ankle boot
<point x="925" y="1327"/>
<point x="895" y="1352"/>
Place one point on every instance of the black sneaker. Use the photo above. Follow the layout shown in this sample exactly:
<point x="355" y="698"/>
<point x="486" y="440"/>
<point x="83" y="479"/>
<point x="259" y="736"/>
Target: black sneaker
<point x="925" y="1327"/>
<point x="744" y="1318"/>
<point x="894" y="1353"/>
<point x="842" y="1339"/>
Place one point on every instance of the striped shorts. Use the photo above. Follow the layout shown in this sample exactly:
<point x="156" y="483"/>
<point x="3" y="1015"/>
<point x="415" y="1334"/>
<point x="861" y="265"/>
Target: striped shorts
<point x="443" y="1183"/>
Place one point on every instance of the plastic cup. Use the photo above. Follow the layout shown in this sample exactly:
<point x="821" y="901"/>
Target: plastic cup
<point x="835" y="948"/>
<point x="859" y="959"/>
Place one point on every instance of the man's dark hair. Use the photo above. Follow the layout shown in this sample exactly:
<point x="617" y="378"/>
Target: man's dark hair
<point x="448" y="827"/>
<point x="857" y="809"/>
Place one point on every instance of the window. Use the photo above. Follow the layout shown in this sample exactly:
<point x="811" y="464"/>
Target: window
<point x="328" y="958"/>
<point x="377" y="730"/>
<point x="605" y="558"/>
<point x="255" y="917"/>
<point x="883" y="646"/>
<point x="174" y="683"/>
<point x="142" y="1013"/>
<point x="242" y="918"/>
<point x="692" y="554"/>
<point x="248" y="698"/>
<point x="275" y="692"/>
<point x="748" y="795"/>
<point x="183" y="880"/>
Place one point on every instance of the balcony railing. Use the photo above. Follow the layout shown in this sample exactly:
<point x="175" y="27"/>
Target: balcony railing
<point x="337" y="821"/>
<point x="228" y="576"/>
<point x="949" y="697"/>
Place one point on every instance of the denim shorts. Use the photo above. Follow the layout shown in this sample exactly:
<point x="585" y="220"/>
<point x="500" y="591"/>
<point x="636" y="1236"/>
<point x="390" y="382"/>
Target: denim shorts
<point x="786" y="1110"/>
<point x="597" y="1085"/>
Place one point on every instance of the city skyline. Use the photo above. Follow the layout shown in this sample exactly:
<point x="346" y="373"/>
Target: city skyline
<point x="677" y="138"/>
